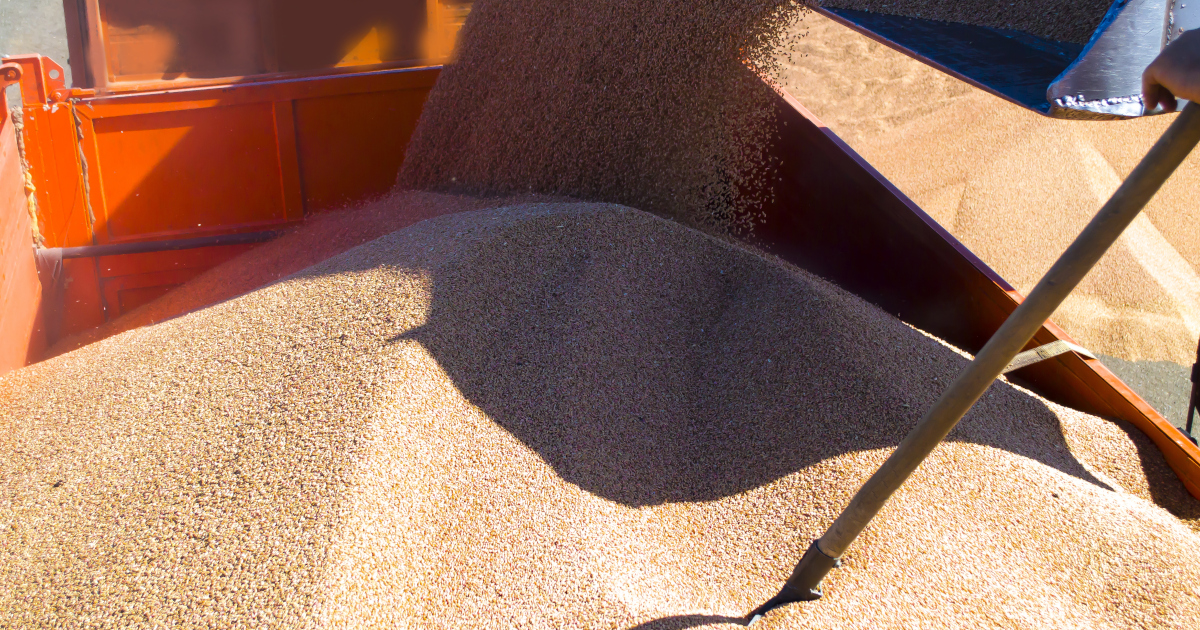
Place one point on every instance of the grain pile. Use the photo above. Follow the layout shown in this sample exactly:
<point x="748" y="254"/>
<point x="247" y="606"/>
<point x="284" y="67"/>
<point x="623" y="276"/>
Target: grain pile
<point x="320" y="237"/>
<point x="1061" y="20"/>
<point x="548" y="416"/>
<point x="1016" y="188"/>
<point x="647" y="103"/>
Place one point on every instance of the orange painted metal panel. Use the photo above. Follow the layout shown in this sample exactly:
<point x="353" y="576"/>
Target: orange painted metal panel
<point x="129" y="292"/>
<point x="290" y="180"/>
<point x="77" y="303"/>
<point x="204" y="161"/>
<point x="260" y="91"/>
<point x="129" y="299"/>
<point x="50" y="149"/>
<point x="63" y="211"/>
<point x="22" y="334"/>
<point x="131" y="280"/>
<point x="150" y="262"/>
<point x="185" y="173"/>
<point x="351" y="146"/>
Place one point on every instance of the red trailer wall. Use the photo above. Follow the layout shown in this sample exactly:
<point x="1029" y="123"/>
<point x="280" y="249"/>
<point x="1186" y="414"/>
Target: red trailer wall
<point x="203" y="161"/>
<point x="22" y="338"/>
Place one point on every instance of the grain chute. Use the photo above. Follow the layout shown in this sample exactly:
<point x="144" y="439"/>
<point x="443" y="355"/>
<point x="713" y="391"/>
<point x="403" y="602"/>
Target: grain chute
<point x="1096" y="78"/>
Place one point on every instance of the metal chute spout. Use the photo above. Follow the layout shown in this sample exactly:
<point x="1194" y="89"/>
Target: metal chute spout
<point x="1106" y="79"/>
<point x="1097" y="80"/>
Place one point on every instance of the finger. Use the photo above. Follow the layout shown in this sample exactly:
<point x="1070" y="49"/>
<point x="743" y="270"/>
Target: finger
<point x="1150" y="96"/>
<point x="1153" y="92"/>
<point x="1150" y="84"/>
<point x="1164" y="97"/>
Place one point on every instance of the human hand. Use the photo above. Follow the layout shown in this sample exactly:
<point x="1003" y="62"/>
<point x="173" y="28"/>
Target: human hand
<point x="1175" y="73"/>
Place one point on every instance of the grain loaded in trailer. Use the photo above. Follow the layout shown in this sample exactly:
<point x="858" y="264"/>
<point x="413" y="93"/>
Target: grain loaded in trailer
<point x="114" y="165"/>
<point x="171" y="158"/>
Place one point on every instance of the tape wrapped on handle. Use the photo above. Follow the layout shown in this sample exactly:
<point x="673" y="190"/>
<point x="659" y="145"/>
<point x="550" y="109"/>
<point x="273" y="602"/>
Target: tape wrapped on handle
<point x="1048" y="351"/>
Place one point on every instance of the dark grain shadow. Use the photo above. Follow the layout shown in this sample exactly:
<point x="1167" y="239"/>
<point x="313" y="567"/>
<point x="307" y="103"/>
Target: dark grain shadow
<point x="1164" y="485"/>
<point x="682" y="622"/>
<point x="687" y="372"/>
